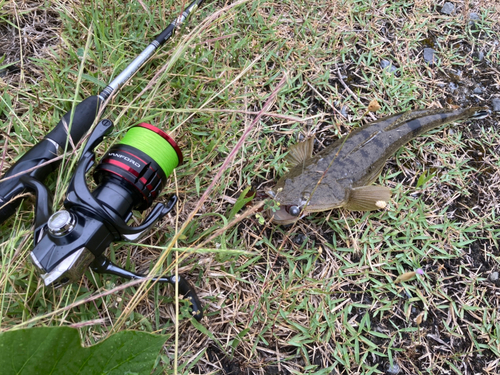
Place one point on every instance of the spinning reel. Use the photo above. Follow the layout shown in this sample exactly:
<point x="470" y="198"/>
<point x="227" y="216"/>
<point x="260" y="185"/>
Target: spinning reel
<point x="129" y="177"/>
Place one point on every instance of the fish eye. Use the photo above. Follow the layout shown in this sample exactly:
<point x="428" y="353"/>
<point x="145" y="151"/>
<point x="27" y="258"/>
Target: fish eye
<point x="294" y="210"/>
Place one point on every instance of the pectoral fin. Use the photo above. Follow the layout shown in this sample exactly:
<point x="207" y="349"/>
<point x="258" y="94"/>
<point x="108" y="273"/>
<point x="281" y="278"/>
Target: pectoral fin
<point x="368" y="198"/>
<point x="300" y="152"/>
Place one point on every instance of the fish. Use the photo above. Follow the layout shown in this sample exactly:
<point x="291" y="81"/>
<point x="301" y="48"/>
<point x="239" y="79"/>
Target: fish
<point x="342" y="174"/>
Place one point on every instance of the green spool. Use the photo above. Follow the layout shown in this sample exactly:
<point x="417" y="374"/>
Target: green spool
<point x="156" y="144"/>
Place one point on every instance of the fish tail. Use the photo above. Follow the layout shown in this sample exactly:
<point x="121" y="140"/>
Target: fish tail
<point x="438" y="117"/>
<point x="463" y="114"/>
<point x="480" y="113"/>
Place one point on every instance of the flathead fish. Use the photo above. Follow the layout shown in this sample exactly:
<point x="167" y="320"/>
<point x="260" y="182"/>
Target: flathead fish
<point x="341" y="175"/>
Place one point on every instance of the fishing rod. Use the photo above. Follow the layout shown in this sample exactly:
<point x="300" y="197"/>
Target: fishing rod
<point x="129" y="177"/>
<point x="39" y="160"/>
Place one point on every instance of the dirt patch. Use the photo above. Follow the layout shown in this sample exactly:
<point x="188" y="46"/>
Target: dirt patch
<point x="33" y="29"/>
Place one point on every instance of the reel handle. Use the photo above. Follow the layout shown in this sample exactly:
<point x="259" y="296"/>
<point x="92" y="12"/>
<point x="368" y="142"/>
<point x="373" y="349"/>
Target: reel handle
<point x="104" y="266"/>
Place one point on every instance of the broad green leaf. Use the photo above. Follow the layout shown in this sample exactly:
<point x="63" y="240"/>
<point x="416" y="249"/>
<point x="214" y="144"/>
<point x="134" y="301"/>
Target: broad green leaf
<point x="57" y="350"/>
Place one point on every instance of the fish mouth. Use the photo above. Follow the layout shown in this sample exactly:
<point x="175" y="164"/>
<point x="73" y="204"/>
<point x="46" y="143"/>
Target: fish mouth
<point x="282" y="217"/>
<point x="279" y="216"/>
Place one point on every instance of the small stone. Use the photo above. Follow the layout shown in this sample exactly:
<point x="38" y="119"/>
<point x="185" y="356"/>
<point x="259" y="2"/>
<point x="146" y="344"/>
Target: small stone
<point x="478" y="90"/>
<point x="494" y="276"/>
<point x="429" y="55"/>
<point x="473" y="17"/>
<point x="393" y="369"/>
<point x="495" y="103"/>
<point x="448" y="8"/>
<point x="300" y="238"/>
<point x="384" y="64"/>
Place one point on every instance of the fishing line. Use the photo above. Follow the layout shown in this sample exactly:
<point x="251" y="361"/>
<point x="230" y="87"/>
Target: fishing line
<point x="156" y="144"/>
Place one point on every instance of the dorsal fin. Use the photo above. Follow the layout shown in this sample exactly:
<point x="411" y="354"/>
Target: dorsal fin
<point x="300" y="152"/>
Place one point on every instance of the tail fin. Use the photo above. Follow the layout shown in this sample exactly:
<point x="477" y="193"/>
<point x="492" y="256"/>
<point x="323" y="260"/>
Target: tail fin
<point x="480" y="113"/>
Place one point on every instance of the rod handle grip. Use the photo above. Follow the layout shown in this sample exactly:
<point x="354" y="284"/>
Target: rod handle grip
<point x="84" y="115"/>
<point x="83" y="118"/>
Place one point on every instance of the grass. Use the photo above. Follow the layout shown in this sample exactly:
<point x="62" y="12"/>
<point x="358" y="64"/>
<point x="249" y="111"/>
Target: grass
<point x="316" y="297"/>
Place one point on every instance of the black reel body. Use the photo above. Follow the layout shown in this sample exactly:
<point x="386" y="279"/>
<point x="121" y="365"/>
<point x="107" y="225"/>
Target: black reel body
<point x="75" y="238"/>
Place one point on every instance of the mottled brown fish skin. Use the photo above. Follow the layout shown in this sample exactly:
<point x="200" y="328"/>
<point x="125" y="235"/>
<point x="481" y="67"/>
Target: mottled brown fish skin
<point x="325" y="180"/>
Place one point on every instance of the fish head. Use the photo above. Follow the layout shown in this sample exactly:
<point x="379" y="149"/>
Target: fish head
<point x="296" y="197"/>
